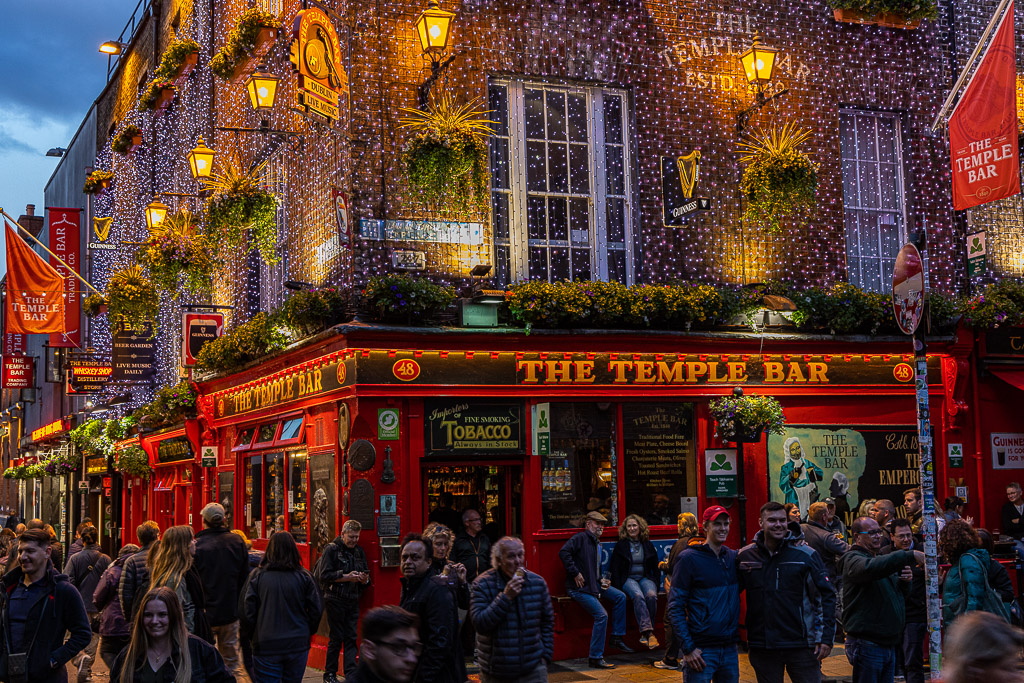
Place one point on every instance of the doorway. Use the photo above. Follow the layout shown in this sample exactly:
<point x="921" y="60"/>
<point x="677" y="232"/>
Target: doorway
<point x="495" y="490"/>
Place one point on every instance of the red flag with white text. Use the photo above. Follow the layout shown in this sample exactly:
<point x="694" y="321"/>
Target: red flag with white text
<point x="983" y="127"/>
<point x="35" y="291"/>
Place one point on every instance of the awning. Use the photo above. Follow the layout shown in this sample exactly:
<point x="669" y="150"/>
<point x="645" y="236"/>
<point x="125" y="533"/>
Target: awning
<point x="1012" y="376"/>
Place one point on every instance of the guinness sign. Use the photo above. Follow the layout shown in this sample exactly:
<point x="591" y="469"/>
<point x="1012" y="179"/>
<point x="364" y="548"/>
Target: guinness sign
<point x="679" y="177"/>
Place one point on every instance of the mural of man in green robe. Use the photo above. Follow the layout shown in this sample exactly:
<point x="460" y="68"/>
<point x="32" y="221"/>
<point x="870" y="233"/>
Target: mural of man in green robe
<point x="799" y="477"/>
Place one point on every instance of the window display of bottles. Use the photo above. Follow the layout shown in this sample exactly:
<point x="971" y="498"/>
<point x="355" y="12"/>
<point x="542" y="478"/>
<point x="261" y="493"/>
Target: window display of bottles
<point x="557" y="481"/>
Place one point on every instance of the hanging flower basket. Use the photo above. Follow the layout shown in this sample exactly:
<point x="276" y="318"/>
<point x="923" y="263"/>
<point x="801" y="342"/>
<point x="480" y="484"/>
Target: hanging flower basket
<point x="745" y="418"/>
<point x="98" y="181"/>
<point x="780" y="181"/>
<point x="253" y="37"/>
<point x="94" y="305"/>
<point x="179" y="257"/>
<point x="127" y="141"/>
<point x="133" y="461"/>
<point x="132" y="298"/>
<point x="158" y="95"/>
<point x="902" y="14"/>
<point x="886" y="19"/>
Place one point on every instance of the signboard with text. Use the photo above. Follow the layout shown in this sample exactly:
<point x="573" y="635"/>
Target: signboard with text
<point x="134" y="354"/>
<point x="18" y="372"/>
<point x="196" y="330"/>
<point x="469" y="427"/>
<point x="65" y="236"/>
<point x="679" y="177"/>
<point x="1007" y="451"/>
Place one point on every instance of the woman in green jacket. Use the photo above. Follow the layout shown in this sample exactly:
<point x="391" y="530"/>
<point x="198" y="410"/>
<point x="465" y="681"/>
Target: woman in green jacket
<point x="966" y="586"/>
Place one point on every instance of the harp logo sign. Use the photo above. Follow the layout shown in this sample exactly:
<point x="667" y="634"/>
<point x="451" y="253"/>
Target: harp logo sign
<point x="679" y="178"/>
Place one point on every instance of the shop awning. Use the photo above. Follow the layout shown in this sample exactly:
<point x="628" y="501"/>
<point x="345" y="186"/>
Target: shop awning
<point x="1012" y="376"/>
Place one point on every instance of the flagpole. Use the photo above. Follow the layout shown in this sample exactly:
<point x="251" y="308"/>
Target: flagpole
<point x="970" y="62"/>
<point x="59" y="259"/>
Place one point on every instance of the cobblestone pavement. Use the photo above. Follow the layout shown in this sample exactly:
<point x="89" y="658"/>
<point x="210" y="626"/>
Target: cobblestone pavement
<point x="636" y="667"/>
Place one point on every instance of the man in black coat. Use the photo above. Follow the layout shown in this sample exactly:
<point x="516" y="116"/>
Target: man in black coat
<point x="84" y="570"/>
<point x="916" y="633"/>
<point x="343" y="580"/>
<point x="433" y="603"/>
<point x="222" y="561"/>
<point x="391" y="647"/>
<point x="135" y="575"/>
<point x="38" y="607"/>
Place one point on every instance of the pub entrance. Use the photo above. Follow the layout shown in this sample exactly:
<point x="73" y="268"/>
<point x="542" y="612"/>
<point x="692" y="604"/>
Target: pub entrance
<point x="496" y="490"/>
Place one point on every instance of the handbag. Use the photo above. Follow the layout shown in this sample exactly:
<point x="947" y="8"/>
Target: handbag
<point x="990" y="601"/>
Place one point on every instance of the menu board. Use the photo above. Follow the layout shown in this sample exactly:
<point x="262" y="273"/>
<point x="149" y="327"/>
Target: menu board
<point x="658" y="452"/>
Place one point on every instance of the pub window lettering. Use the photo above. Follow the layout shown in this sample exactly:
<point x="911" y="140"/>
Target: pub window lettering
<point x="560" y="177"/>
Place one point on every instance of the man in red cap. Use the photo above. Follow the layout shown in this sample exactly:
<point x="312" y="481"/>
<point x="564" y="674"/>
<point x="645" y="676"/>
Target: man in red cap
<point x="704" y="605"/>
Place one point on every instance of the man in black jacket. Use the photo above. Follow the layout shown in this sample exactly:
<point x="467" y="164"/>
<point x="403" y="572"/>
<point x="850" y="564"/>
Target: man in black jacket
<point x="83" y="570"/>
<point x="515" y="624"/>
<point x="916" y="607"/>
<point x="581" y="556"/>
<point x="135" y="576"/>
<point x="790" y="618"/>
<point x="433" y="603"/>
<point x="38" y="607"/>
<point x="1012" y="516"/>
<point x="223" y="565"/>
<point x="343" y="579"/>
<point x="391" y="647"/>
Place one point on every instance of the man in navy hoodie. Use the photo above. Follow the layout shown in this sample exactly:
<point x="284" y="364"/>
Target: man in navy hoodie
<point x="704" y="605"/>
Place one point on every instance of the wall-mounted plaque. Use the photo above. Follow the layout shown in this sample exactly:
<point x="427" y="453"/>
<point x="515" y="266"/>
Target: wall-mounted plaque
<point x="361" y="500"/>
<point x="362" y="455"/>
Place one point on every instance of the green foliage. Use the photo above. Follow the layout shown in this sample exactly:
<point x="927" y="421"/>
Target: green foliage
<point x="1000" y="304"/>
<point x="843" y="309"/>
<point x="945" y="310"/>
<point x="310" y="311"/>
<point x="403" y="299"/>
<point x="92" y="304"/>
<point x="132" y="297"/>
<point x="252" y="340"/>
<point x="746" y="416"/>
<point x="909" y="9"/>
<point x="241" y="43"/>
<point x="96" y="180"/>
<point x="17" y="472"/>
<point x="230" y="216"/>
<point x="122" y="144"/>
<point x="91" y="438"/>
<point x="178" y="255"/>
<point x="133" y="461"/>
<point x="780" y="180"/>
<point x="170" y="406"/>
<point x="174" y="57"/>
<point x="147" y="100"/>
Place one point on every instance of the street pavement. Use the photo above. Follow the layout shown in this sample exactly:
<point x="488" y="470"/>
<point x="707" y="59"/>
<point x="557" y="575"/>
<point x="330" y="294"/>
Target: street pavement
<point x="629" y="669"/>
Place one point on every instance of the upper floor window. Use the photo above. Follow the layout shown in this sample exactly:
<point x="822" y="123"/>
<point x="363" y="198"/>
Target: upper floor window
<point x="874" y="211"/>
<point x="560" y="178"/>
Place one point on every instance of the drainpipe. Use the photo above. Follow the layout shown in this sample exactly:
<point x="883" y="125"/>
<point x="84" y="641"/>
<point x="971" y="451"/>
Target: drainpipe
<point x="978" y="460"/>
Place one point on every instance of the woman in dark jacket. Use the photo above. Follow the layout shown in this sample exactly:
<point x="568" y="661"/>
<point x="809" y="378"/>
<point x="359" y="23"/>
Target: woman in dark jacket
<point x="998" y="577"/>
<point x="171" y="565"/>
<point x="280" y="610"/>
<point x="161" y="649"/>
<point x="634" y="567"/>
<point x="966" y="582"/>
<point x="115" y="632"/>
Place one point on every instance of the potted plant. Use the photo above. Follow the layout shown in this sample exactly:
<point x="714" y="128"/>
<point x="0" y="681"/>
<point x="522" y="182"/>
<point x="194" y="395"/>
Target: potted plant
<point x="178" y="255"/>
<point x="251" y="39"/>
<point x="446" y="159"/>
<point x="127" y="141"/>
<point x="241" y="213"/>
<point x="780" y="180"/>
<point x="178" y="60"/>
<point x="98" y="181"/>
<point x="252" y="340"/>
<point x="745" y="418"/>
<point x="906" y="14"/>
<point x="402" y="299"/>
<point x="94" y="305"/>
<point x="310" y="311"/>
<point x="131" y="297"/>
<point x="158" y="95"/>
<point x="133" y="461"/>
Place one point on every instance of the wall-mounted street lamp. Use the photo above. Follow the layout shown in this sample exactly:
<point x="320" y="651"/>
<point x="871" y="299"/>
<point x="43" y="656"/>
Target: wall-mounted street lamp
<point x="112" y="47"/>
<point x="156" y="212"/>
<point x="433" y="27"/>
<point x="262" y="87"/>
<point x="759" y="68"/>
<point x="200" y="160"/>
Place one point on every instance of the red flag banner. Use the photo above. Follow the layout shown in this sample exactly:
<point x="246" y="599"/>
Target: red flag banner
<point x="983" y="127"/>
<point x="35" y="291"/>
<point x="65" y="230"/>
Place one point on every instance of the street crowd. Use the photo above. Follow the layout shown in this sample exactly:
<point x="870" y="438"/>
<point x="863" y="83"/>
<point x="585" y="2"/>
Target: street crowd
<point x="206" y="607"/>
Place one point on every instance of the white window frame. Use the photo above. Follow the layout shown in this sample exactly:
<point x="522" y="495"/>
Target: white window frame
<point x="519" y="243"/>
<point x="854" y="203"/>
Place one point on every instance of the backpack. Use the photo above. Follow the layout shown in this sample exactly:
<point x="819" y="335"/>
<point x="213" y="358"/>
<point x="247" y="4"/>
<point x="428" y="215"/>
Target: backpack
<point x="990" y="601"/>
<point x="320" y="567"/>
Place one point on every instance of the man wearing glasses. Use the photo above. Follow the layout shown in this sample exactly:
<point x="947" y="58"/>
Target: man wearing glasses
<point x="391" y="647"/>
<point x="874" y="590"/>
<point x="434" y="604"/>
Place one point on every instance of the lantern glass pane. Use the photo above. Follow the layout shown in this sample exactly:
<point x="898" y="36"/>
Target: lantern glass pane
<point x="765" y="64"/>
<point x="747" y="59"/>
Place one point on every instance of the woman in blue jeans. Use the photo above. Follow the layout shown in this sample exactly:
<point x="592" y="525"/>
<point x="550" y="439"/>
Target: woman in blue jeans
<point x="634" y="569"/>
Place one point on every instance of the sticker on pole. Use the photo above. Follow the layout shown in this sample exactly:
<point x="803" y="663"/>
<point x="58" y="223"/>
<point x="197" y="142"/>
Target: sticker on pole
<point x="908" y="289"/>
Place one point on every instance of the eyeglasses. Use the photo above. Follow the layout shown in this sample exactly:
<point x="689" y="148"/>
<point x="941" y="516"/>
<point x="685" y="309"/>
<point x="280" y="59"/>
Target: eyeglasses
<point x="401" y="647"/>
<point x="876" y="532"/>
<point x="474" y="519"/>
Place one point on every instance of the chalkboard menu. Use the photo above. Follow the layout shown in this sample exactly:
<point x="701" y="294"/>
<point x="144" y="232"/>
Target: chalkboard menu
<point x="468" y="427"/>
<point x="176" y="449"/>
<point x="658" y="456"/>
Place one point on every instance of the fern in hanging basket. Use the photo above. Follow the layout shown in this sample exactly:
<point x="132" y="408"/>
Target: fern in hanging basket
<point x="133" y="461"/>
<point x="132" y="297"/>
<point x="744" y="418"/>
<point x="446" y="159"/>
<point x="178" y="255"/>
<point x="780" y="180"/>
<point x="241" y="210"/>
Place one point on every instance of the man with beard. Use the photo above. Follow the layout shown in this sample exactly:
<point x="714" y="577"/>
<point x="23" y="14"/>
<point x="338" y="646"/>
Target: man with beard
<point x="432" y="602"/>
<point x="344" y="577"/>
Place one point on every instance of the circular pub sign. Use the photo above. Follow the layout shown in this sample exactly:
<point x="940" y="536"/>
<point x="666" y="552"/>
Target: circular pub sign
<point x="908" y="289"/>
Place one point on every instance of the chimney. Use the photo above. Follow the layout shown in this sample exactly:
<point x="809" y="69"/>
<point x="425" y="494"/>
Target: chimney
<point x="30" y="221"/>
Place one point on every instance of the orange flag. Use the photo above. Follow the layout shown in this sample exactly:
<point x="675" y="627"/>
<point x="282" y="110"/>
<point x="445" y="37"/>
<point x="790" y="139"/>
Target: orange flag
<point x="35" y="291"/>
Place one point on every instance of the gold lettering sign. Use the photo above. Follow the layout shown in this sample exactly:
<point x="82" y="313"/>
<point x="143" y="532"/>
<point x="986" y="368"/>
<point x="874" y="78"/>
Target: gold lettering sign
<point x="316" y="54"/>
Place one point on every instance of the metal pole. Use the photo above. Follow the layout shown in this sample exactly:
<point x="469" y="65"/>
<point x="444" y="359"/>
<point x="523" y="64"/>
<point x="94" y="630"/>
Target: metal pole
<point x="741" y="494"/>
<point x="924" y="440"/>
<point x="59" y="259"/>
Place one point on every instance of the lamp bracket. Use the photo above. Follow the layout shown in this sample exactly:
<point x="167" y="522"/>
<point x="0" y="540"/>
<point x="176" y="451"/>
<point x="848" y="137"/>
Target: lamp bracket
<point x="264" y="129"/>
<point x="760" y="99"/>
<point x="437" y="69"/>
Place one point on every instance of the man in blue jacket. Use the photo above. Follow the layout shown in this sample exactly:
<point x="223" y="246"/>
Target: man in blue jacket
<point x="791" y="603"/>
<point x="704" y="605"/>
<point x="581" y="556"/>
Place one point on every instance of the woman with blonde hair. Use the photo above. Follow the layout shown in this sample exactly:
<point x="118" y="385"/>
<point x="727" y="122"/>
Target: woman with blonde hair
<point x="172" y="566"/>
<point x="634" y="569"/>
<point x="689" y="535"/>
<point x="161" y="650"/>
<point x="982" y="648"/>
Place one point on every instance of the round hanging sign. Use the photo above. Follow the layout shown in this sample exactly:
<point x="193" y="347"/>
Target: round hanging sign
<point x="908" y="289"/>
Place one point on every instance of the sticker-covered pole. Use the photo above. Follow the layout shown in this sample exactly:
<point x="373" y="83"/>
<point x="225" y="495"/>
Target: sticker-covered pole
<point x="931" y="562"/>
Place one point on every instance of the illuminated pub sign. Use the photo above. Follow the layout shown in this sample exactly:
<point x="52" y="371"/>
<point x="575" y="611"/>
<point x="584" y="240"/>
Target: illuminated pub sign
<point x="316" y="54"/>
<point x="175" y="449"/>
<point x="454" y="427"/>
<point x="52" y="429"/>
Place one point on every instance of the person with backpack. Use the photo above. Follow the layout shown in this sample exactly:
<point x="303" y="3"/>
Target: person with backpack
<point x="84" y="570"/>
<point x="115" y="631"/>
<point x="966" y="587"/>
<point x="342" y="574"/>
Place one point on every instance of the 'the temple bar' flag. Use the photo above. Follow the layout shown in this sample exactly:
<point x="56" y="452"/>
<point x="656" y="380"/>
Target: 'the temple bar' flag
<point x="35" y="291"/>
<point x="983" y="127"/>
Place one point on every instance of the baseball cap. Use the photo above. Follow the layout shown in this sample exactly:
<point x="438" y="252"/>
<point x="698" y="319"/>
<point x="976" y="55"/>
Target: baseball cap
<point x="213" y="513"/>
<point x="714" y="512"/>
<point x="597" y="517"/>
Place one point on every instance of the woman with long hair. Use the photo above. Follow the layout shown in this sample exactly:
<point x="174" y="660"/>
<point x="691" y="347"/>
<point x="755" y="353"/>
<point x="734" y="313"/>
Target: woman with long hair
<point x="172" y="566"/>
<point x="160" y="649"/>
<point x="280" y="610"/>
<point x="966" y="585"/>
<point x="634" y="568"/>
